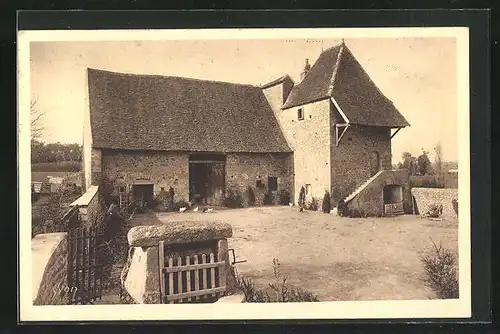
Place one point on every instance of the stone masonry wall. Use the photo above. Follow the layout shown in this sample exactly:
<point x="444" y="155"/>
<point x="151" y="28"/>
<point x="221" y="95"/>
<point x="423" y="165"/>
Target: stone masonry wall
<point x="425" y="197"/>
<point x="310" y="139"/>
<point x="370" y="201"/>
<point x="96" y="211"/>
<point x="351" y="159"/>
<point x="50" y="265"/>
<point x="164" y="169"/>
<point x="244" y="169"/>
<point x="96" y="166"/>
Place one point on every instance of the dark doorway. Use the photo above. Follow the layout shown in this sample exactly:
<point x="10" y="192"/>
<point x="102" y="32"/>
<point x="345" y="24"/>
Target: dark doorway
<point x="143" y="194"/>
<point x="207" y="178"/>
<point x="374" y="163"/>
<point x="393" y="194"/>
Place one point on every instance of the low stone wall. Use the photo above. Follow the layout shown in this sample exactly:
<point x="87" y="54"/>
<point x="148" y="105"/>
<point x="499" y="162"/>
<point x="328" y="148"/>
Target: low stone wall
<point x="425" y="197"/>
<point x="141" y="278"/>
<point x="91" y="207"/>
<point x="49" y="269"/>
<point x="370" y="201"/>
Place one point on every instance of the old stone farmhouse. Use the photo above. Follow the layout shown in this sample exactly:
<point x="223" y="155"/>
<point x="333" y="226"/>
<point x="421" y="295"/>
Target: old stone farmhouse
<point x="331" y="132"/>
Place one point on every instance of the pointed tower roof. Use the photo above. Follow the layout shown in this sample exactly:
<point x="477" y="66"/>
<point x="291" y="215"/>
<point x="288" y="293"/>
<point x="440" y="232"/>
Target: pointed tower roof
<point x="338" y="75"/>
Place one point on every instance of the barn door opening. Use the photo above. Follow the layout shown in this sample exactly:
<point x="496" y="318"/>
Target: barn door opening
<point x="207" y="178"/>
<point x="143" y="194"/>
<point x="393" y="199"/>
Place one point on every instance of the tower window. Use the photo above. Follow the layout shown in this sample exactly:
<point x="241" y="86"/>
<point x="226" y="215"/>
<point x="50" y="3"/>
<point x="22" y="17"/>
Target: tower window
<point x="300" y="114"/>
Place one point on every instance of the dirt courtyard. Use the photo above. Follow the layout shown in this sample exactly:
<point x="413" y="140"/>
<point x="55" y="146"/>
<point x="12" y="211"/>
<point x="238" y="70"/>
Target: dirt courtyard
<point x="335" y="258"/>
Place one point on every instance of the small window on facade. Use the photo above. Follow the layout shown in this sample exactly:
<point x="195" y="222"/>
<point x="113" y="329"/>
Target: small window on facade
<point x="259" y="184"/>
<point x="308" y="189"/>
<point x="122" y="189"/>
<point x="162" y="189"/>
<point x="300" y="114"/>
<point x="272" y="183"/>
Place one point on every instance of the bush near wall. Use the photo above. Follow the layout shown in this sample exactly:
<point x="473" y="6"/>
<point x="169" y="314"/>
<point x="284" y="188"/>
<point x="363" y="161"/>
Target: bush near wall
<point x="427" y="181"/>
<point x="284" y="197"/>
<point x="233" y="199"/>
<point x="46" y="217"/>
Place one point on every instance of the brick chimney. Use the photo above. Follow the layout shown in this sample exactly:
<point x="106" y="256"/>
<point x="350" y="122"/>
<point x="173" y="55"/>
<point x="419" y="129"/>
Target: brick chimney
<point x="307" y="67"/>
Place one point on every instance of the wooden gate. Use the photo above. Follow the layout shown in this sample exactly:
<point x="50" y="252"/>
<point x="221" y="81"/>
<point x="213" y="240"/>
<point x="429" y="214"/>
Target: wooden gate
<point x="84" y="278"/>
<point x="196" y="278"/>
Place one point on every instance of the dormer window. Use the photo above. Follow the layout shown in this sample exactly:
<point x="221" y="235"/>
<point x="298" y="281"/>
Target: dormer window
<point x="300" y="114"/>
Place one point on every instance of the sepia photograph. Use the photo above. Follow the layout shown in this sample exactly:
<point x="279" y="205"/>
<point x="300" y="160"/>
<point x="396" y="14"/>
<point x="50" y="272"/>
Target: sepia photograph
<point x="244" y="174"/>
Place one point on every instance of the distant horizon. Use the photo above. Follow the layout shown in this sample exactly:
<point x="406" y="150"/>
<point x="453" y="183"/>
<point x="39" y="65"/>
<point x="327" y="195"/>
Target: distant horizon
<point x="414" y="73"/>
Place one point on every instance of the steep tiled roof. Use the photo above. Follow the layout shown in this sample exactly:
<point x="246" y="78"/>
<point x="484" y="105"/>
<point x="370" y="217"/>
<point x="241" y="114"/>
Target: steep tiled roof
<point x="338" y="75"/>
<point x="317" y="81"/>
<point x="149" y="112"/>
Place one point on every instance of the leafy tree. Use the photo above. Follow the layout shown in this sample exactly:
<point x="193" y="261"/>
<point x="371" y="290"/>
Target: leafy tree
<point x="423" y="163"/>
<point x="409" y="162"/>
<point x="438" y="160"/>
<point x="54" y="152"/>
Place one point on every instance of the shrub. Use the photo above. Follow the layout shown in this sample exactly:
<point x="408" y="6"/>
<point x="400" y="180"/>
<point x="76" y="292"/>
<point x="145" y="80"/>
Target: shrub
<point x="250" y="196"/>
<point x="341" y="209"/>
<point x="281" y="291"/>
<point x="427" y="181"/>
<point x="302" y="197"/>
<point x="268" y="198"/>
<point x="326" y="205"/>
<point x="180" y="204"/>
<point x="284" y="197"/>
<point x="454" y="203"/>
<point x="233" y="199"/>
<point x="355" y="213"/>
<point x="312" y="205"/>
<point x="46" y="217"/>
<point x="441" y="271"/>
<point x="170" y="199"/>
<point x="434" y="211"/>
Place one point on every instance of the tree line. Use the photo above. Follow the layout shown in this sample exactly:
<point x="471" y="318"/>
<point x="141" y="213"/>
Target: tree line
<point x="422" y="165"/>
<point x="55" y="152"/>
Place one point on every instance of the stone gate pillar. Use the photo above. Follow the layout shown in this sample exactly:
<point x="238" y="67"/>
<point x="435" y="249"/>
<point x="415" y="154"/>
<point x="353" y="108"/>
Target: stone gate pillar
<point x="141" y="275"/>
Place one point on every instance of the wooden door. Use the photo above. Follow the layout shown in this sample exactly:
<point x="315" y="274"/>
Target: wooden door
<point x="216" y="183"/>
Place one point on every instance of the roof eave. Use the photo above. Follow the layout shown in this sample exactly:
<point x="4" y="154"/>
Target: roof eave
<point x="285" y="107"/>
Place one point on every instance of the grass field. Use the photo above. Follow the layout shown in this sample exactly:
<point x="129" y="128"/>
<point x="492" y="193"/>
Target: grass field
<point x="335" y="258"/>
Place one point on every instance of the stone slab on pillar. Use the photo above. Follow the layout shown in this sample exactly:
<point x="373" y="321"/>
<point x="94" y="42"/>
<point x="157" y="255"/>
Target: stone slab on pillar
<point x="183" y="232"/>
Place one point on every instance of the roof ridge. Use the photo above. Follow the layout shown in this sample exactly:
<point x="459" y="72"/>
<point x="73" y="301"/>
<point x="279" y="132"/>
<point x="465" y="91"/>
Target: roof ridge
<point x="335" y="69"/>
<point x="174" y="77"/>
<point x="275" y="81"/>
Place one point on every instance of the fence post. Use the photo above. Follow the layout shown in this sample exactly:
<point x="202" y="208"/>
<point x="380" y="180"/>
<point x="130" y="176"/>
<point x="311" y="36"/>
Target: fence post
<point x="161" y="262"/>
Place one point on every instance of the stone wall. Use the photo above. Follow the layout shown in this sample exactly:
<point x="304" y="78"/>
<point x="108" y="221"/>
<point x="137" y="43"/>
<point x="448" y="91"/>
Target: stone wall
<point x="310" y="139"/>
<point x="50" y="265"/>
<point x="245" y="169"/>
<point x="425" y="197"/>
<point x="370" y="201"/>
<point x="171" y="169"/>
<point x="164" y="169"/>
<point x="91" y="207"/>
<point x="96" y="166"/>
<point x="351" y="159"/>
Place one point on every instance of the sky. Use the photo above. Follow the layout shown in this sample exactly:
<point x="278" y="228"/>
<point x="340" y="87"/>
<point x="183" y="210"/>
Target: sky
<point x="418" y="74"/>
